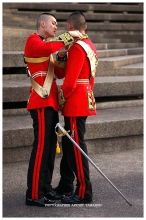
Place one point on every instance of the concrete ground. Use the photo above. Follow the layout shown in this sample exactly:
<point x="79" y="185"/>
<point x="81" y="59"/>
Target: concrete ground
<point x="124" y="169"/>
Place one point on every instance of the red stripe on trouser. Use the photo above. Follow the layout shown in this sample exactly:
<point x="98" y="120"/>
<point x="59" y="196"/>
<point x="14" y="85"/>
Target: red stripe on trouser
<point x="78" y="158"/>
<point x="38" y="159"/>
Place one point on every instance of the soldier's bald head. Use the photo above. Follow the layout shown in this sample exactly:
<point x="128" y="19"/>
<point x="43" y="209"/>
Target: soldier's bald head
<point x="43" y="17"/>
<point x="77" y="20"/>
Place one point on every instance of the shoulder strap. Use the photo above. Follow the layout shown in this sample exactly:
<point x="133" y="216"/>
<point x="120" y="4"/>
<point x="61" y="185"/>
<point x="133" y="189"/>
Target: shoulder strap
<point x="91" y="56"/>
<point x="44" y="91"/>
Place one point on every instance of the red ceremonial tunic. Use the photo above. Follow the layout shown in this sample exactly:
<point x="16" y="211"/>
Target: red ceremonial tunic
<point x="35" y="47"/>
<point x="77" y="88"/>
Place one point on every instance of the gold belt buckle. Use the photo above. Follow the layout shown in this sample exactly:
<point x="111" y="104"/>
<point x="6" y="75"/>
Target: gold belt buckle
<point x="44" y="92"/>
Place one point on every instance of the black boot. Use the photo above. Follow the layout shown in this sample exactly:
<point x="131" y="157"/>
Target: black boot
<point x="39" y="202"/>
<point x="74" y="199"/>
<point x="54" y="195"/>
<point x="61" y="191"/>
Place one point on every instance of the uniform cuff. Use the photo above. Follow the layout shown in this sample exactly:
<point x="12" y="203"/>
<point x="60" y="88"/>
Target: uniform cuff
<point x="61" y="61"/>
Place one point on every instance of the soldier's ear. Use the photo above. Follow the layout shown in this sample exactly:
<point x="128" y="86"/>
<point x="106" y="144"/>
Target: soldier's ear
<point x="42" y="23"/>
<point x="69" y="27"/>
<point x="86" y="27"/>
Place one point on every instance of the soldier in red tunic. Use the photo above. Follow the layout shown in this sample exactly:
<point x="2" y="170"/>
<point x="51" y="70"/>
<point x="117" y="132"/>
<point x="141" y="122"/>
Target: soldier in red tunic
<point x="43" y="104"/>
<point x="77" y="100"/>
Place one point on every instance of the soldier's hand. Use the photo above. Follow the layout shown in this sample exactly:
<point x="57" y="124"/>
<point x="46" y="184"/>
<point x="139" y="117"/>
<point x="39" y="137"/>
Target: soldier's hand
<point x="76" y="34"/>
<point x="61" y="98"/>
<point x="63" y="51"/>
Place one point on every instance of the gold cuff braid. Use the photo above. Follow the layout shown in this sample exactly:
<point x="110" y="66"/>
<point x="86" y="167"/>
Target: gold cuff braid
<point x="60" y="63"/>
<point x="66" y="38"/>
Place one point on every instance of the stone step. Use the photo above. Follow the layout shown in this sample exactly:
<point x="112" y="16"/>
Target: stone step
<point x="110" y="65"/>
<point x="133" y="36"/>
<point x="11" y="43"/>
<point x="13" y="76"/>
<point x="15" y="31"/>
<point x="119" y="104"/>
<point x="127" y="70"/>
<point x="111" y="128"/>
<point x="18" y="90"/>
<point x="118" y="86"/>
<point x="125" y="36"/>
<point x="97" y="26"/>
<point x="105" y="21"/>
<point x="17" y="43"/>
<point x="110" y="26"/>
<point x="15" y="58"/>
<point x="122" y="36"/>
<point x="119" y="52"/>
<point x="108" y="19"/>
<point x="127" y="102"/>
<point x="14" y="43"/>
<point x="61" y="16"/>
<point x="99" y="7"/>
<point x="107" y="46"/>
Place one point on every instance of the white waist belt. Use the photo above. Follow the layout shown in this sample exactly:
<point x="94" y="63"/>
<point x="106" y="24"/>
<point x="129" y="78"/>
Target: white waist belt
<point x="82" y="81"/>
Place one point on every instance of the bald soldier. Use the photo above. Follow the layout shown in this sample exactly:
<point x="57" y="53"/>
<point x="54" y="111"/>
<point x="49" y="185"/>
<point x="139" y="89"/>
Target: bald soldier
<point x="77" y="101"/>
<point x="43" y="104"/>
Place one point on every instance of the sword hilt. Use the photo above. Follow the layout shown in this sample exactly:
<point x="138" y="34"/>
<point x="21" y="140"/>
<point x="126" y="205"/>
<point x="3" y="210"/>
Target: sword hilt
<point x="61" y="128"/>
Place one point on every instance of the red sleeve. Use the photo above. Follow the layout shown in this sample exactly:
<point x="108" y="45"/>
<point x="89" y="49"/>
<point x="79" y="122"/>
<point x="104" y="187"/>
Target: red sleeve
<point x="35" y="47"/>
<point x="59" y="71"/>
<point x="75" y="61"/>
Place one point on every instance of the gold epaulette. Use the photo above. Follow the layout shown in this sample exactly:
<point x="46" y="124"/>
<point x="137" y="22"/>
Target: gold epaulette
<point x="36" y="59"/>
<point x="85" y="36"/>
<point x="66" y="38"/>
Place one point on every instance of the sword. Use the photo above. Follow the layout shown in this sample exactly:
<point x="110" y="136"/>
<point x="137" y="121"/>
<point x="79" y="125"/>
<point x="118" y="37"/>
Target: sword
<point x="64" y="132"/>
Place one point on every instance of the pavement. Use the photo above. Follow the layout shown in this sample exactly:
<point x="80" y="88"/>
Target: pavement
<point x="124" y="169"/>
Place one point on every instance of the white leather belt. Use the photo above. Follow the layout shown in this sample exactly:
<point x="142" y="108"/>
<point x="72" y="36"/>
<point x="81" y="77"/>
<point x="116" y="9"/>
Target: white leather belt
<point x="82" y="81"/>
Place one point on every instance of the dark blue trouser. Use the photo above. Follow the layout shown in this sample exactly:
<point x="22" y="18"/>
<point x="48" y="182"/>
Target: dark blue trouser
<point x="73" y="163"/>
<point x="42" y="157"/>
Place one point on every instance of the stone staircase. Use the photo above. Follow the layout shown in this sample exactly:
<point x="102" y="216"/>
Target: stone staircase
<point x="118" y="84"/>
<point x="107" y="20"/>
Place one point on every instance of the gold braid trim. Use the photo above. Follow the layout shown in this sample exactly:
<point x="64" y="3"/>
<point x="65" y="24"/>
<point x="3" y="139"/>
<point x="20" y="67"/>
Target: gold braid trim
<point x="66" y="38"/>
<point x="85" y="36"/>
<point x="91" y="56"/>
<point x="61" y="98"/>
<point x="36" y="59"/>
